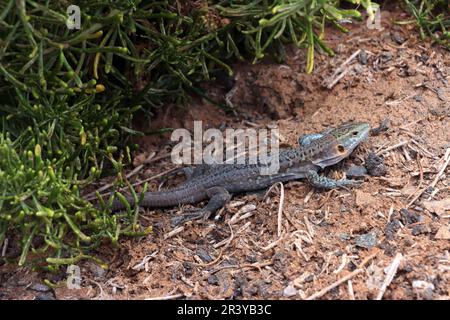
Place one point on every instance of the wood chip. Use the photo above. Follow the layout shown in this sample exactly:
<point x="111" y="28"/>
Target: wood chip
<point x="443" y="233"/>
<point x="437" y="206"/>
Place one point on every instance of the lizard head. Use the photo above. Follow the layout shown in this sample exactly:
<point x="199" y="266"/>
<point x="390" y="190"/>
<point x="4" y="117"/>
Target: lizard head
<point x="340" y="142"/>
<point x="349" y="135"/>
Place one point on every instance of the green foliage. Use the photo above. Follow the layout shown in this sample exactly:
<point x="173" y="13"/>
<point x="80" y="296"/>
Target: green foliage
<point x="41" y="199"/>
<point x="67" y="97"/>
<point x="432" y="18"/>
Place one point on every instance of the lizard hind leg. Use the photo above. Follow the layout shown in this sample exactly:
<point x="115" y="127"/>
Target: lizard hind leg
<point x="218" y="198"/>
<point x="327" y="183"/>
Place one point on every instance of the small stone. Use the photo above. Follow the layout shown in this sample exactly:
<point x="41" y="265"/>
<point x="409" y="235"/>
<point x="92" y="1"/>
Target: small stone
<point x="204" y="255"/>
<point x="290" y="291"/>
<point x="45" y="296"/>
<point x="367" y="240"/>
<point x="409" y="217"/>
<point x="40" y="287"/>
<point x="420" y="229"/>
<point x="423" y="58"/>
<point x="391" y="229"/>
<point x="344" y="236"/>
<point x="386" y="56"/>
<point x="418" y="98"/>
<point x="423" y="289"/>
<point x="363" y="57"/>
<point x="213" y="280"/>
<point x="356" y="172"/>
<point x="375" y="165"/>
<point x="397" y="38"/>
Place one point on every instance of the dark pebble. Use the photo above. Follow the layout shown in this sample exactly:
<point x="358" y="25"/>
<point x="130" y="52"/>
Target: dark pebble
<point x="391" y="229"/>
<point x="375" y="165"/>
<point x="351" y="266"/>
<point x="386" y="56"/>
<point x="423" y="58"/>
<point x="388" y="248"/>
<point x="362" y="57"/>
<point x="397" y="38"/>
<point x="204" y="255"/>
<point x="187" y="269"/>
<point x="418" y="98"/>
<point x="420" y="229"/>
<point x="213" y="280"/>
<point x="409" y="217"/>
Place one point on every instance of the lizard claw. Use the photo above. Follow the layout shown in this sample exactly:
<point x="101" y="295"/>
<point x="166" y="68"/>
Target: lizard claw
<point x="193" y="215"/>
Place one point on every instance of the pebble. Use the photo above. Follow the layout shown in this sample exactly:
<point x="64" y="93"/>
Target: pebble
<point x="45" y="296"/>
<point x="40" y="287"/>
<point x="204" y="255"/>
<point x="362" y="57"/>
<point x="344" y="236"/>
<point x="397" y="37"/>
<point x="409" y="217"/>
<point x="367" y="240"/>
<point x="424" y="289"/>
<point x="391" y="229"/>
<point x="290" y="291"/>
<point x="213" y="279"/>
<point x="375" y="165"/>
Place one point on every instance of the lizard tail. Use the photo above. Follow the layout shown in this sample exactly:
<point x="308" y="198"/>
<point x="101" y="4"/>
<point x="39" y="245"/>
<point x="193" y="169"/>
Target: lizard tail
<point x="161" y="199"/>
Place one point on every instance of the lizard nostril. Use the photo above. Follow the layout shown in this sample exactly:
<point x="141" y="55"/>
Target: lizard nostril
<point x="341" y="148"/>
<point x="355" y="133"/>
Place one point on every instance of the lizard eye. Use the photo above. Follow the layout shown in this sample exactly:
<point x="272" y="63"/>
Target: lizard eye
<point x="355" y="133"/>
<point x="341" y="148"/>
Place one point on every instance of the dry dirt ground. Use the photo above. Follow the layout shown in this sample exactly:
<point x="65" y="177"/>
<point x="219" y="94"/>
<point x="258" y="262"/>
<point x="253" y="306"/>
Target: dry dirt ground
<point x="363" y="243"/>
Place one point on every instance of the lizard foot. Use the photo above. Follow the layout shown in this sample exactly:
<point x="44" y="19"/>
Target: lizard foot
<point x="218" y="198"/>
<point x="326" y="183"/>
<point x="193" y="215"/>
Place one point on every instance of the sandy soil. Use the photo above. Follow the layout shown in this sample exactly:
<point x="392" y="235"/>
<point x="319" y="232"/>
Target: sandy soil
<point x="368" y="240"/>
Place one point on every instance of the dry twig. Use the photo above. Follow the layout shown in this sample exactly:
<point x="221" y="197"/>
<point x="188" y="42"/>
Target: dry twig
<point x="390" y="275"/>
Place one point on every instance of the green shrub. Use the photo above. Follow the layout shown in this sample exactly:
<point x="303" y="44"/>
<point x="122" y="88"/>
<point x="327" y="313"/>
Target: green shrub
<point x="432" y="17"/>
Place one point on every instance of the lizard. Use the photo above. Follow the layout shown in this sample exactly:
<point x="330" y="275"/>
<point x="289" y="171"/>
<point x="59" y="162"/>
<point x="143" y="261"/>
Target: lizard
<point x="219" y="182"/>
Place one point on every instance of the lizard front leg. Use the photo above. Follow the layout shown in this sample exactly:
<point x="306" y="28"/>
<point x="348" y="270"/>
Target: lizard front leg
<point x="326" y="183"/>
<point x="218" y="198"/>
